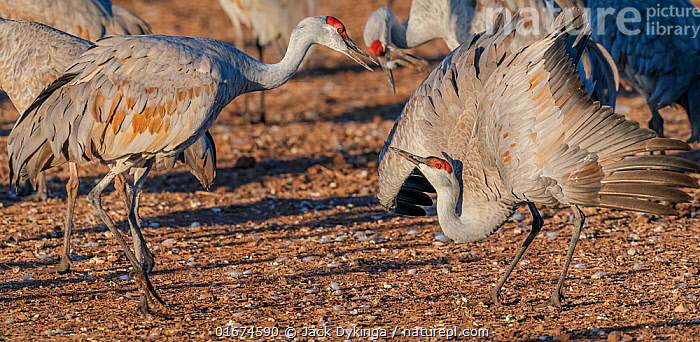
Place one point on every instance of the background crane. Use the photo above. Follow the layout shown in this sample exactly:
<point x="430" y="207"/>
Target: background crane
<point x="32" y="56"/>
<point x="455" y="21"/>
<point x="664" y="68"/>
<point x="131" y="101"/>
<point x="489" y="130"/>
<point x="272" y="22"/>
<point x="87" y="19"/>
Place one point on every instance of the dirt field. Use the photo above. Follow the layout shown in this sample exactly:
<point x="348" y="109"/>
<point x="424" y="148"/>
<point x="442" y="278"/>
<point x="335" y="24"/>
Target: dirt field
<point x="300" y="241"/>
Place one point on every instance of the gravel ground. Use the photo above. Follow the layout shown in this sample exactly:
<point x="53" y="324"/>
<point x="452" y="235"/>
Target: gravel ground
<point x="298" y="239"/>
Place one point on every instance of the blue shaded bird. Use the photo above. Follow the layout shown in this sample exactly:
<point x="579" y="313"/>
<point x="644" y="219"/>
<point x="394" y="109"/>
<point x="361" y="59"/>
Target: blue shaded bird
<point x="664" y="67"/>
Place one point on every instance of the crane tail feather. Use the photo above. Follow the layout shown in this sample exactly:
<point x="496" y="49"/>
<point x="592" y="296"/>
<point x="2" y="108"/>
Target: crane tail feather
<point x="634" y="204"/>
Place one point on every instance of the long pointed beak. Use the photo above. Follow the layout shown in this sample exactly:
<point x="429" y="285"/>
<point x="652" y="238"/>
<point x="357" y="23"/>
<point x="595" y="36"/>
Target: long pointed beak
<point x="417" y="160"/>
<point x="352" y="49"/>
<point x="383" y="62"/>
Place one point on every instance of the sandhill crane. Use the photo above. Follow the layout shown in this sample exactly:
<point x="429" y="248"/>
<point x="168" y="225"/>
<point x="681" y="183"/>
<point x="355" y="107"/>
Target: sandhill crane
<point x="130" y="101"/>
<point x="32" y="56"/>
<point x="455" y="22"/>
<point x="489" y="129"/>
<point x="272" y="22"/>
<point x="662" y="67"/>
<point x="87" y="19"/>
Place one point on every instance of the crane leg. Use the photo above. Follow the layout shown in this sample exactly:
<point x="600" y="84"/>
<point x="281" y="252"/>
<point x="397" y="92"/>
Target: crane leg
<point x="657" y="122"/>
<point x="42" y="192"/>
<point x="121" y="185"/>
<point x="262" y="93"/>
<point x="537" y="222"/>
<point x="691" y="104"/>
<point x="144" y="284"/>
<point x="579" y="220"/>
<point x="142" y="253"/>
<point x="72" y="191"/>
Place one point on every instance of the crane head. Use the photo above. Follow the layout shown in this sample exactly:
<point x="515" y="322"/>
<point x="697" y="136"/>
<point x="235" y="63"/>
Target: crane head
<point x="435" y="163"/>
<point x="378" y="39"/>
<point x="341" y="42"/>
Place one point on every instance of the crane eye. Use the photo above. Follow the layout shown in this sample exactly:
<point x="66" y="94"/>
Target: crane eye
<point x="438" y="166"/>
<point x="341" y="30"/>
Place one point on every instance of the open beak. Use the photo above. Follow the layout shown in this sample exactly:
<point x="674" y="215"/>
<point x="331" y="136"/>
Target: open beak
<point x="383" y="62"/>
<point x="416" y="160"/>
<point x="400" y="58"/>
<point x="353" y="49"/>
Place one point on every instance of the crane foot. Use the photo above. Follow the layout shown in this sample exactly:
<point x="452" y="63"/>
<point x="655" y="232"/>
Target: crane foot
<point x="148" y="295"/>
<point x="64" y="266"/>
<point x="491" y="299"/>
<point x="553" y="302"/>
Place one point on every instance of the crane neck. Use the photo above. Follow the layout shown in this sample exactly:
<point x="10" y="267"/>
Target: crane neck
<point x="271" y="76"/>
<point x="398" y="32"/>
<point x="470" y="219"/>
<point x="417" y="31"/>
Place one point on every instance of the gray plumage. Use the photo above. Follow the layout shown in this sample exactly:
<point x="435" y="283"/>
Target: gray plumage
<point x="38" y="55"/>
<point x="87" y="19"/>
<point x="132" y="101"/>
<point x="32" y="56"/>
<point x="518" y="127"/>
<point x="456" y="21"/>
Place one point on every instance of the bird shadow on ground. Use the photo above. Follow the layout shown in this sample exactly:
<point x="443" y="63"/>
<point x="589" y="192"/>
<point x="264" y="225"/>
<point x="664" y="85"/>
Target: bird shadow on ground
<point x="272" y="208"/>
<point x="181" y="181"/>
<point x="257" y="213"/>
<point x="369" y="113"/>
<point x="595" y="334"/>
<point x="74" y="277"/>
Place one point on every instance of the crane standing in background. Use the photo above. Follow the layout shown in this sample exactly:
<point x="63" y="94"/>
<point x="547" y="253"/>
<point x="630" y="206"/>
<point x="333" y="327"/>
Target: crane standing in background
<point x="490" y="129"/>
<point x="87" y="19"/>
<point x="32" y="56"/>
<point x="272" y="22"/>
<point x="456" y="21"/>
<point x="664" y="68"/>
<point x="131" y="101"/>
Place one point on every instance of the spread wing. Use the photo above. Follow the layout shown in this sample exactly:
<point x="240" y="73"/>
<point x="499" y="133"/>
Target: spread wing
<point x="552" y="144"/>
<point x="596" y="67"/>
<point x="519" y="127"/>
<point x="420" y="130"/>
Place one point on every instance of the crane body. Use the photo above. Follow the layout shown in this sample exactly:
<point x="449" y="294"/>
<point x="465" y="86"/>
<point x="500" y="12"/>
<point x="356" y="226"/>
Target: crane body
<point x="131" y="101"/>
<point x="86" y="19"/>
<point x="490" y="129"/>
<point x="33" y="55"/>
